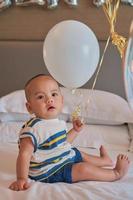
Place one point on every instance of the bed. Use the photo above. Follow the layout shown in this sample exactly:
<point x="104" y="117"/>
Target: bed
<point x="108" y="118"/>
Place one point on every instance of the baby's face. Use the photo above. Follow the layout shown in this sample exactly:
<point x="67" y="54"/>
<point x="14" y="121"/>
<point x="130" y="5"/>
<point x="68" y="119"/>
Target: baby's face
<point x="45" y="99"/>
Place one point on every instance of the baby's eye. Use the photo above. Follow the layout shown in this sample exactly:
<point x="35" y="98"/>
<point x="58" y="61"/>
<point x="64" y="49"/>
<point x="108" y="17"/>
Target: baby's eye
<point x="54" y="94"/>
<point x="40" y="97"/>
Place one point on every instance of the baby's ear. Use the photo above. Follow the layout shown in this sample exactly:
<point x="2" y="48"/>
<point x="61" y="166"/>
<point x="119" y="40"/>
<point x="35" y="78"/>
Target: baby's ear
<point x="29" y="107"/>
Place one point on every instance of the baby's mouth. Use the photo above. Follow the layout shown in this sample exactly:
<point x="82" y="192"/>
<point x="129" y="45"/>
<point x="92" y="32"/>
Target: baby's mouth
<point x="51" y="108"/>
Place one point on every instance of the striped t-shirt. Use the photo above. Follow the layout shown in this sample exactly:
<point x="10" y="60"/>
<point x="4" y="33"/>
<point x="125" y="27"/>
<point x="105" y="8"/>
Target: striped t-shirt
<point x="51" y="149"/>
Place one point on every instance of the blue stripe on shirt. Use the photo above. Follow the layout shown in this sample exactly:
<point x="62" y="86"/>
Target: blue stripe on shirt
<point x="52" y="145"/>
<point x="35" y="165"/>
<point x="34" y="122"/>
<point x="53" y="141"/>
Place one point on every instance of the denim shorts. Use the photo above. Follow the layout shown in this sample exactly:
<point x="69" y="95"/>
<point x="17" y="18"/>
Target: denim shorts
<point x="64" y="174"/>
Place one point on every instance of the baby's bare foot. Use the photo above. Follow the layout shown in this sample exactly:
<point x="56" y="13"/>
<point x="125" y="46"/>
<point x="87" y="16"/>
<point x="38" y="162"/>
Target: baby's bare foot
<point x="122" y="166"/>
<point x="104" y="155"/>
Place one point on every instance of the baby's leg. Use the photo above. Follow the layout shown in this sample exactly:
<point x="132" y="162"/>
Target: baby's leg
<point x="84" y="171"/>
<point x="101" y="161"/>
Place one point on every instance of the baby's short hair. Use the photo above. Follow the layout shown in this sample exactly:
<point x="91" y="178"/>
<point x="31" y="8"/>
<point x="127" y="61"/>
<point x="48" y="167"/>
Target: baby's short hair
<point x="34" y="77"/>
<point x="27" y="83"/>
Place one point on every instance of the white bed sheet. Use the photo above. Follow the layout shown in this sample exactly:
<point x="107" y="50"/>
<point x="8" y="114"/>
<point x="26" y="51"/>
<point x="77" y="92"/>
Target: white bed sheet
<point x="86" y="190"/>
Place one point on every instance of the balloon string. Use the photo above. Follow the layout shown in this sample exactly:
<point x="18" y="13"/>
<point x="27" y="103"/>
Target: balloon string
<point x="100" y="64"/>
<point x="77" y="111"/>
<point x="110" y="8"/>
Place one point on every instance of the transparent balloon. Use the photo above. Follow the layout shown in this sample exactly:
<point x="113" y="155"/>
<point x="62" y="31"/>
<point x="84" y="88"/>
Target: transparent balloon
<point x="128" y="69"/>
<point x="4" y="4"/>
<point x="71" y="53"/>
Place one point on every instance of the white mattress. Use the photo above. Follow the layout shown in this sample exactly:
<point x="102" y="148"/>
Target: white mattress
<point x="85" y="190"/>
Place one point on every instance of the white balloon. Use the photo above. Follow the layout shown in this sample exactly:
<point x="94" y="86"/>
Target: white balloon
<point x="128" y="69"/>
<point x="71" y="53"/>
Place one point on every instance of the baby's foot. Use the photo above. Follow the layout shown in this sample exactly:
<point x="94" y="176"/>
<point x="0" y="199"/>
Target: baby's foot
<point x="104" y="155"/>
<point x="122" y="166"/>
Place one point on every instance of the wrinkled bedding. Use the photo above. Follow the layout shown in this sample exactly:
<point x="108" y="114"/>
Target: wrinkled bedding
<point x="85" y="190"/>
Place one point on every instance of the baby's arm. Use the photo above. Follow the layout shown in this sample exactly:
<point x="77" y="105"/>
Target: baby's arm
<point x="22" y="165"/>
<point x="77" y="127"/>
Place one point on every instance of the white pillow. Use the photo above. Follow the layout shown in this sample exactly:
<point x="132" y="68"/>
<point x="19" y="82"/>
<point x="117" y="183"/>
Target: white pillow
<point x="98" y="107"/>
<point x="13" y="102"/>
<point x="22" y="117"/>
<point x="10" y="117"/>
<point x="88" y="137"/>
<point x="9" y="131"/>
<point x="102" y="108"/>
<point x="93" y="136"/>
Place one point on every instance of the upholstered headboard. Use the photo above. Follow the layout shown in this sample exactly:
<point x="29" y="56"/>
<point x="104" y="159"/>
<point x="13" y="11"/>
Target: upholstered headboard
<point x="23" y="30"/>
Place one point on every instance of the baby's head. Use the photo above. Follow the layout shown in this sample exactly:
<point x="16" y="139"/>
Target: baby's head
<point x="44" y="98"/>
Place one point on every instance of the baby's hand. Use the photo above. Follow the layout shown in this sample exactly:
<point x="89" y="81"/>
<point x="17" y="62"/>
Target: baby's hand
<point x="20" y="184"/>
<point x="77" y="124"/>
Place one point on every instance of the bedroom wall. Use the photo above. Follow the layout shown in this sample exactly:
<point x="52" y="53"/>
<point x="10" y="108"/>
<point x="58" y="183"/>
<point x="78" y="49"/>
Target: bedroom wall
<point x="33" y="22"/>
<point x="23" y="30"/>
<point x="21" y="60"/>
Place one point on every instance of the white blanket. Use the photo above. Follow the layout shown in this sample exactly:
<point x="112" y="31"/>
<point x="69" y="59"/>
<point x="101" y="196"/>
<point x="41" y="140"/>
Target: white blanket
<point x="86" y="190"/>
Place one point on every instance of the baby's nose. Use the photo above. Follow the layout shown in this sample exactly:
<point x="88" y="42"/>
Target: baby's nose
<point x="50" y="100"/>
